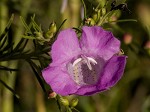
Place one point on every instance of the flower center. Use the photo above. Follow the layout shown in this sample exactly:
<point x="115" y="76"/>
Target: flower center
<point x="83" y="70"/>
<point x="86" y="60"/>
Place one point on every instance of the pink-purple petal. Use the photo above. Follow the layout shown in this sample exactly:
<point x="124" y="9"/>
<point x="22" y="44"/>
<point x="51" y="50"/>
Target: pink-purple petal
<point x="98" y="41"/>
<point x="112" y="72"/>
<point x="65" y="47"/>
<point x="89" y="90"/>
<point x="59" y="80"/>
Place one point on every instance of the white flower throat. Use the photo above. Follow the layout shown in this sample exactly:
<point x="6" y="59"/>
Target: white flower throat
<point x="83" y="70"/>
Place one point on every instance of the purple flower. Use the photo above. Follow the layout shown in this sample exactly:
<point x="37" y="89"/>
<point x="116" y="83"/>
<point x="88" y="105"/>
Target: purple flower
<point x="84" y="66"/>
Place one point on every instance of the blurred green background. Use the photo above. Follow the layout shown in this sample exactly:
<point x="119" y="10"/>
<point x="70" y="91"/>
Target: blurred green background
<point x="132" y="92"/>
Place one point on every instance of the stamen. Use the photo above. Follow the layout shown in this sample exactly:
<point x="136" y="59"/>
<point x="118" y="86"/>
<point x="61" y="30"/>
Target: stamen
<point x="87" y="60"/>
<point x="76" y="61"/>
<point x="89" y="64"/>
<point x="92" y="60"/>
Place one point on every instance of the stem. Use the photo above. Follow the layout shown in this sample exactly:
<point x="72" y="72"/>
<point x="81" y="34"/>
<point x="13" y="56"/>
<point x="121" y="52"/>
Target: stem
<point x="84" y="6"/>
<point x="126" y="20"/>
<point x="68" y="109"/>
<point x="58" y="104"/>
<point x="76" y="110"/>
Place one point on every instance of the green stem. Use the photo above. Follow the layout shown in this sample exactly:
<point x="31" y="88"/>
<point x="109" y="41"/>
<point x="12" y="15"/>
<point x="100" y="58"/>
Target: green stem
<point x="76" y="110"/>
<point x="84" y="6"/>
<point x="58" y="103"/>
<point x="69" y="109"/>
<point x="126" y="20"/>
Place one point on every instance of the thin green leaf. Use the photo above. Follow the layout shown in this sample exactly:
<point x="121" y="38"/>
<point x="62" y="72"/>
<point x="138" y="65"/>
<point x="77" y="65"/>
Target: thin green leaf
<point x="9" y="88"/>
<point x="8" y="47"/>
<point x="35" y="25"/>
<point x="7" y="27"/>
<point x="23" y="47"/>
<point x="60" y="27"/>
<point x="7" y="69"/>
<point x="77" y="29"/>
<point x="25" y="24"/>
<point x="33" y="66"/>
<point x="125" y="20"/>
<point x="18" y="45"/>
<point x="3" y="42"/>
<point x="58" y="104"/>
<point x="84" y="6"/>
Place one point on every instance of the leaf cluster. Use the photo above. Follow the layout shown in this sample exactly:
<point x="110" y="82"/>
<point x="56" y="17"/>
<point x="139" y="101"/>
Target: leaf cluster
<point x="38" y="56"/>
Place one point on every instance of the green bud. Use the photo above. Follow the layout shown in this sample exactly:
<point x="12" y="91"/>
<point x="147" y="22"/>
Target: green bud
<point x="64" y="101"/>
<point x="51" y="31"/>
<point x="90" y="21"/>
<point x="74" y="102"/>
<point x="103" y="11"/>
<point x="96" y="15"/>
<point x="53" y="27"/>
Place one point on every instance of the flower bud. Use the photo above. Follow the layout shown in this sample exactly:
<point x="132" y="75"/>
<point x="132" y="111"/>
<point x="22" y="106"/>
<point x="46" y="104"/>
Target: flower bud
<point x="64" y="101"/>
<point x="53" y="27"/>
<point x="90" y="21"/>
<point x="103" y="11"/>
<point x="52" y="95"/>
<point x="74" y="102"/>
<point x="127" y="38"/>
<point x="96" y="15"/>
<point x="114" y="17"/>
<point x="51" y="31"/>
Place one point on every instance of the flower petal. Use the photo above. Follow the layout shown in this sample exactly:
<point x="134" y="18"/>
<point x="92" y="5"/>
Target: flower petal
<point x="96" y="40"/>
<point x="59" y="80"/>
<point x="65" y="47"/>
<point x="112" y="72"/>
<point x="88" y="90"/>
